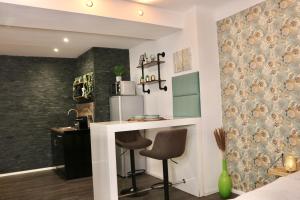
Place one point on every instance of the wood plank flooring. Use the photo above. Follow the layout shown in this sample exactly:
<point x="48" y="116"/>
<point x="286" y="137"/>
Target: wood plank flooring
<point x="48" y="186"/>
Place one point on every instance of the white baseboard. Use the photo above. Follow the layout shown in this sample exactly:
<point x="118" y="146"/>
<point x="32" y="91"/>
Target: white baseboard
<point x="155" y="175"/>
<point x="210" y="191"/>
<point x="30" y="171"/>
<point x="186" y="187"/>
<point x="239" y="192"/>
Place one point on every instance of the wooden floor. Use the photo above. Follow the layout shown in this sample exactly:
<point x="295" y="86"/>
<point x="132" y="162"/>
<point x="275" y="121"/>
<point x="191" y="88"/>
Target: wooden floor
<point x="48" y="186"/>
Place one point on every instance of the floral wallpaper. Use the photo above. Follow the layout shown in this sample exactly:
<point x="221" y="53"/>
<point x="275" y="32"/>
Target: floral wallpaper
<point x="260" y="78"/>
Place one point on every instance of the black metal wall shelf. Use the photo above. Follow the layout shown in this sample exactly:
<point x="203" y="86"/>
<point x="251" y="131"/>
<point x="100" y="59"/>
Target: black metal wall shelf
<point x="151" y="82"/>
<point x="151" y="64"/>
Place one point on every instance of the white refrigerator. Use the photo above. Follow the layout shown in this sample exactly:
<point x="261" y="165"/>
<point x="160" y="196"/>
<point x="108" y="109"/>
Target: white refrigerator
<point x="121" y="109"/>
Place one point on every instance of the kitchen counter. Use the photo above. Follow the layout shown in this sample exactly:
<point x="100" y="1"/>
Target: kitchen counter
<point x="62" y="130"/>
<point x="104" y="155"/>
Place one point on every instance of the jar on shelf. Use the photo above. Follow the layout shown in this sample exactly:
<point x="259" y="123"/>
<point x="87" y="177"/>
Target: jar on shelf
<point x="153" y="78"/>
<point x="147" y="78"/>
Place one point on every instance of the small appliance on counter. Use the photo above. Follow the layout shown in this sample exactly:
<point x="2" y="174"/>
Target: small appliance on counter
<point x="82" y="123"/>
<point x="124" y="88"/>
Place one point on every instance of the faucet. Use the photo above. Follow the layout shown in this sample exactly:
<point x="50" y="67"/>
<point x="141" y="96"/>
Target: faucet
<point x="72" y="109"/>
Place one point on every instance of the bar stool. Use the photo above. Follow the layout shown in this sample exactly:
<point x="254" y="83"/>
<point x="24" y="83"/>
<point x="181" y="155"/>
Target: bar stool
<point x="131" y="140"/>
<point x="167" y="145"/>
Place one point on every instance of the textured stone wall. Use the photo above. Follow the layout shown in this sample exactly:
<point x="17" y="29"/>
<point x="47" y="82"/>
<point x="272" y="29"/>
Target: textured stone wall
<point x="35" y="95"/>
<point x="105" y="60"/>
<point x="85" y="63"/>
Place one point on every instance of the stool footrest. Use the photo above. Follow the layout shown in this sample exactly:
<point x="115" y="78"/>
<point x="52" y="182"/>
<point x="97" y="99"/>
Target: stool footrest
<point x="137" y="172"/>
<point x="128" y="191"/>
<point x="159" y="185"/>
<point x="131" y="193"/>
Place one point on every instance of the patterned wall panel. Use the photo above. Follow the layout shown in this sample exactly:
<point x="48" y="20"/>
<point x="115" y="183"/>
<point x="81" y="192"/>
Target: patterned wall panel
<point x="260" y="78"/>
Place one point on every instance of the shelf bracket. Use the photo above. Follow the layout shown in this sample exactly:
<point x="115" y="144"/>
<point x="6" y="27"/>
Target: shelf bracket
<point x="143" y="76"/>
<point x="158" y="69"/>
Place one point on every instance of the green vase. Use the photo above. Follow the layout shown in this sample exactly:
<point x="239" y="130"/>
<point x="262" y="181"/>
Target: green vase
<point x="225" y="183"/>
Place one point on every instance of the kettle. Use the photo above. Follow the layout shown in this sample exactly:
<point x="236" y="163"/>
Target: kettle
<point x="82" y="122"/>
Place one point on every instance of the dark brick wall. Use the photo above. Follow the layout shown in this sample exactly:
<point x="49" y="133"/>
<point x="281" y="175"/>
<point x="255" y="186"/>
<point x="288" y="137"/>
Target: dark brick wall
<point x="85" y="63"/>
<point x="104" y="61"/>
<point x="35" y="95"/>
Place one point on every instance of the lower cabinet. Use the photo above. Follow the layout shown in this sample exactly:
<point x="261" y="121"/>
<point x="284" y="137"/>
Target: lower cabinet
<point x="71" y="153"/>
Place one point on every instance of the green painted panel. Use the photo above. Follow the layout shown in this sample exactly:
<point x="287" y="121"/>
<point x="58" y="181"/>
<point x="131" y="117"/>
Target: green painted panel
<point x="186" y="95"/>
<point x="186" y="84"/>
<point x="186" y="106"/>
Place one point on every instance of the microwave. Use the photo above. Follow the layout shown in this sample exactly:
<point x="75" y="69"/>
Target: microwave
<point x="124" y="88"/>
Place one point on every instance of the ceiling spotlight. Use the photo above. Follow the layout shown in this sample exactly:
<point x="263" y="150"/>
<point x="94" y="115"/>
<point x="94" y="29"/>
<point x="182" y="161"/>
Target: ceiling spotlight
<point x="66" y="40"/>
<point x="140" y="12"/>
<point x="56" y="50"/>
<point x="89" y="3"/>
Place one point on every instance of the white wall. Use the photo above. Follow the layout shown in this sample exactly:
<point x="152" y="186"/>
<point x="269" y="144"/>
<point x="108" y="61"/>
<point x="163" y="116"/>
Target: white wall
<point x="160" y="102"/>
<point x="199" y="33"/>
<point x="210" y="89"/>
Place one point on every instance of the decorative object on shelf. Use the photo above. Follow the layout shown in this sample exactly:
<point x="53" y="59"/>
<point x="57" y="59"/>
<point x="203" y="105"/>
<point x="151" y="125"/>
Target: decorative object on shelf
<point x="152" y="57"/>
<point x="182" y="60"/>
<point x="142" y="80"/>
<point x="225" y="182"/>
<point x="152" y="77"/>
<point x="119" y="71"/>
<point x="290" y="163"/>
<point x="147" y="78"/>
<point x="146" y="59"/>
<point x="141" y="60"/>
<point x="151" y="64"/>
<point x="83" y="87"/>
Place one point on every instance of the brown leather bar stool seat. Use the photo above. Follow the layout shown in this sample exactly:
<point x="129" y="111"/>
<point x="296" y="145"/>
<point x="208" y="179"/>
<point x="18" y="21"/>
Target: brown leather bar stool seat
<point x="131" y="140"/>
<point x="167" y="145"/>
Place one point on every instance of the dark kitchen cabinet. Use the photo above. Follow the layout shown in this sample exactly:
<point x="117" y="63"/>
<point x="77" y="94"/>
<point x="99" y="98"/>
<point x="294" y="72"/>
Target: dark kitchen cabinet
<point x="71" y="152"/>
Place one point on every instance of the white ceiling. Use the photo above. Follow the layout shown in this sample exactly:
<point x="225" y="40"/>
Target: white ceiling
<point x="32" y="31"/>
<point x="39" y="42"/>
<point x="182" y="5"/>
<point x="35" y="31"/>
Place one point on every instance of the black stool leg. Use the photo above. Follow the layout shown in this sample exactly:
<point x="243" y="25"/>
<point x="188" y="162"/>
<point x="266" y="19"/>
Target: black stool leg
<point x="133" y="188"/>
<point x="166" y="179"/>
<point x="132" y="164"/>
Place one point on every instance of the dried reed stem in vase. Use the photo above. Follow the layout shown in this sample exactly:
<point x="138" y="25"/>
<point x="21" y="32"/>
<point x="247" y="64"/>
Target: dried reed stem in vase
<point x="220" y="136"/>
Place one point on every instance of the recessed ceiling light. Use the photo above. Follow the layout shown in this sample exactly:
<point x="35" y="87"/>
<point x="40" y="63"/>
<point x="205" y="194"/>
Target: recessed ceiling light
<point x="56" y="50"/>
<point x="89" y="3"/>
<point x="66" y="40"/>
<point x="140" y="12"/>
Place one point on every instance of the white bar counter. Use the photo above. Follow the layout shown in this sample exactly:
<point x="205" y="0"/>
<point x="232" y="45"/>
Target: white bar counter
<point x="104" y="155"/>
